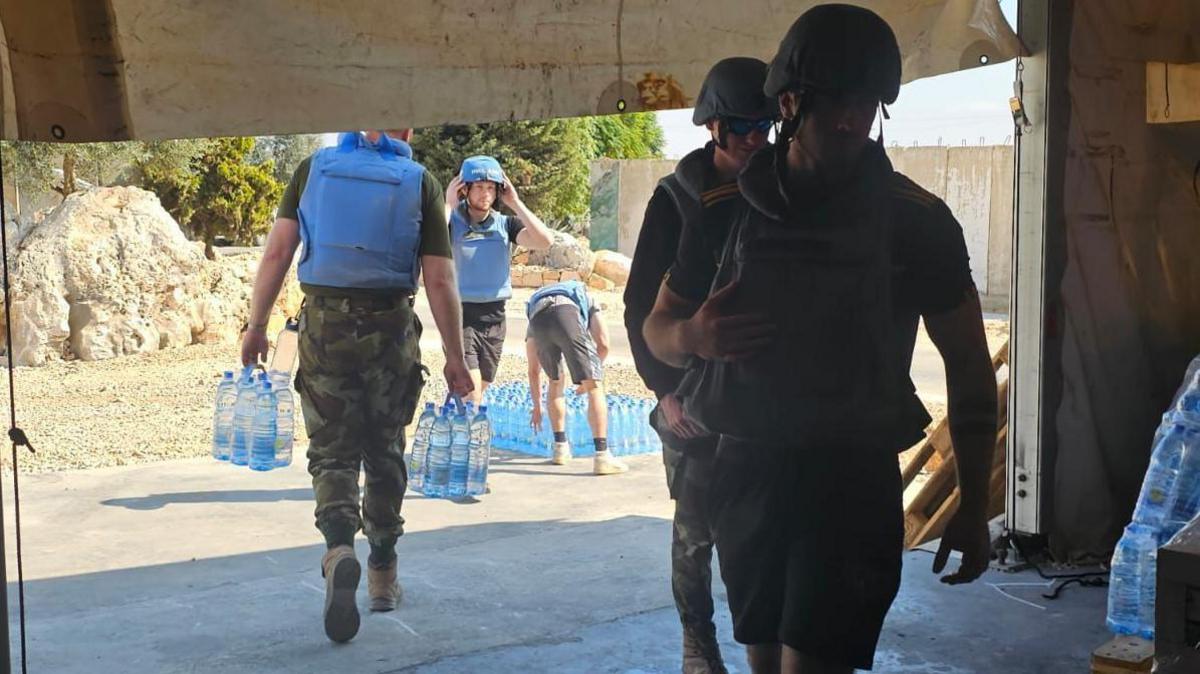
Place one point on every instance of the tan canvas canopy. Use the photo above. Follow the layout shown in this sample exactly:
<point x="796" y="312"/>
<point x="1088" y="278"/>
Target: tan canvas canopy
<point x="84" y="70"/>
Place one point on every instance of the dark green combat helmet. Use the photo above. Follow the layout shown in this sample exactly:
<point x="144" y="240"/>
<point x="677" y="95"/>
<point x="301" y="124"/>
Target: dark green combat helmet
<point x="837" y="48"/>
<point x="734" y="88"/>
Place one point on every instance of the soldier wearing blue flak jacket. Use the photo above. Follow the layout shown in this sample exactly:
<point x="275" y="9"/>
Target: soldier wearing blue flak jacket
<point x="482" y="239"/>
<point x="564" y="324"/>
<point x="372" y="223"/>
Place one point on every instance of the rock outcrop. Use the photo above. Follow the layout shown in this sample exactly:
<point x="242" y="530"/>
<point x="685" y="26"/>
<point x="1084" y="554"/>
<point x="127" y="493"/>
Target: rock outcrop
<point x="109" y="273"/>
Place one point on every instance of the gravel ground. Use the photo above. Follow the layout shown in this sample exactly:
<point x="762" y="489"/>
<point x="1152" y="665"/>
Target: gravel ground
<point x="152" y="407"/>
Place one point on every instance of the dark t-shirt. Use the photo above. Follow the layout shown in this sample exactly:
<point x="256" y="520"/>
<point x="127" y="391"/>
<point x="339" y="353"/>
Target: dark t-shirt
<point x="656" y="249"/>
<point x="435" y="239"/>
<point x="488" y="313"/>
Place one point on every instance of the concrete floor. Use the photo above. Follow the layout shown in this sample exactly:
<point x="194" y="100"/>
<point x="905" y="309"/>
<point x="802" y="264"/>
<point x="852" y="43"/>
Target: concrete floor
<point x="192" y="566"/>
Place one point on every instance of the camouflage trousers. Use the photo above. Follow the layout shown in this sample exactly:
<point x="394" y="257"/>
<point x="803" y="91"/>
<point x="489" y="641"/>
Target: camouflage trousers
<point x="689" y="475"/>
<point x="359" y="382"/>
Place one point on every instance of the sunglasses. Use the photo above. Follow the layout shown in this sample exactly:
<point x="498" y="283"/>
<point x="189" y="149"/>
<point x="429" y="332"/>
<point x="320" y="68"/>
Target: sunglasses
<point x="741" y="127"/>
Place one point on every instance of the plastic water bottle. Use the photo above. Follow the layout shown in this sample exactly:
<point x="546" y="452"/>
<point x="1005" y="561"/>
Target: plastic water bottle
<point x="265" y="432"/>
<point x="223" y="416"/>
<point x="285" y="418"/>
<point x="1157" y="498"/>
<point x="1186" y="502"/>
<point x="243" y="419"/>
<point x="437" y="479"/>
<point x="1131" y="583"/>
<point x="287" y="345"/>
<point x="480" y="452"/>
<point x="420" y="447"/>
<point x="460" y="450"/>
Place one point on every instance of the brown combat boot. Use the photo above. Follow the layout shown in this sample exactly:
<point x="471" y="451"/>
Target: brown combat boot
<point x="385" y="591"/>
<point x="701" y="653"/>
<point x="342" y="571"/>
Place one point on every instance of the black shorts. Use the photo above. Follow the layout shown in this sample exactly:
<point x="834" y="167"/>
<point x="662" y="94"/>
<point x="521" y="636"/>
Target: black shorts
<point x="483" y="343"/>
<point x="558" y="335"/>
<point x="810" y="545"/>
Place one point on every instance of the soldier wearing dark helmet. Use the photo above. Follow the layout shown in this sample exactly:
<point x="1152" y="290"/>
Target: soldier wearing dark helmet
<point x="798" y="344"/>
<point x="702" y="195"/>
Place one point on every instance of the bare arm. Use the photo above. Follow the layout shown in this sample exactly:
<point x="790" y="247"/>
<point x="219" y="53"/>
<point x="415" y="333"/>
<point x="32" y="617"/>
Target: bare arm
<point x="713" y="331"/>
<point x="599" y="332"/>
<point x="453" y="195"/>
<point x="442" y="287"/>
<point x="959" y="336"/>
<point x="665" y="327"/>
<point x="276" y="260"/>
<point x="536" y="235"/>
<point x="534" y="372"/>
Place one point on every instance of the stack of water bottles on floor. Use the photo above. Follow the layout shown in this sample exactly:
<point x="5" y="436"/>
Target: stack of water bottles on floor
<point x="1169" y="499"/>
<point x="254" y="420"/>
<point x="629" y="430"/>
<point x="451" y="448"/>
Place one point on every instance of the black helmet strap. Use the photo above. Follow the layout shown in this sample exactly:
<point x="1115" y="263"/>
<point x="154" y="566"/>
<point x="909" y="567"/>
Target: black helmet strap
<point x="722" y="134"/>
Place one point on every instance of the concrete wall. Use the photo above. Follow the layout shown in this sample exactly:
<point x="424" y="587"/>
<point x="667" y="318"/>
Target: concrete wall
<point x="975" y="182"/>
<point x="620" y="191"/>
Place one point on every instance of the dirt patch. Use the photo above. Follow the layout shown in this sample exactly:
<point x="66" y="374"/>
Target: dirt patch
<point x="157" y="406"/>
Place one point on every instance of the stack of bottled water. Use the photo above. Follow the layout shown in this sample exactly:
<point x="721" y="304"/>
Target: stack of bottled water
<point x="629" y="430"/>
<point x="451" y="451"/>
<point x="254" y="420"/>
<point x="1169" y="499"/>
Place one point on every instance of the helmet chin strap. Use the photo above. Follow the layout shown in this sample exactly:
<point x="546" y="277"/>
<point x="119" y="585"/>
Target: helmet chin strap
<point x="883" y="114"/>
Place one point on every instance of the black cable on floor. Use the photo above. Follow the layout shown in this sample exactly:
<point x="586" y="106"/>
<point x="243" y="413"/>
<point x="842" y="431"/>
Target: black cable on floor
<point x="15" y="434"/>
<point x="1094" y="581"/>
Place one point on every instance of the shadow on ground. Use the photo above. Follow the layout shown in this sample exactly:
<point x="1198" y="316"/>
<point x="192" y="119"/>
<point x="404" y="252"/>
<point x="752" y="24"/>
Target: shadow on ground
<point x="156" y="501"/>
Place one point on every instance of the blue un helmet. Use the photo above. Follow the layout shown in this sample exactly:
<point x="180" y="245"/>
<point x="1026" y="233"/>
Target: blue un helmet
<point x="481" y="167"/>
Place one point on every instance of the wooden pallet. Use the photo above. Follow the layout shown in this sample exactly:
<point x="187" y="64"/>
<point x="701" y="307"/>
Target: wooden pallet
<point x="1122" y="655"/>
<point x="926" y="516"/>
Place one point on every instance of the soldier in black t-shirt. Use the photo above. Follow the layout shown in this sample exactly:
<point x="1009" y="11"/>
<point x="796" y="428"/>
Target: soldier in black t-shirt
<point x="808" y="522"/>
<point x="701" y="195"/>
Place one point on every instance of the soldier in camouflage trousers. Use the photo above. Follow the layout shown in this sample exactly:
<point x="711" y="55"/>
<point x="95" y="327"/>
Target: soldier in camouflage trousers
<point x="372" y="222"/>
<point x="359" y="383"/>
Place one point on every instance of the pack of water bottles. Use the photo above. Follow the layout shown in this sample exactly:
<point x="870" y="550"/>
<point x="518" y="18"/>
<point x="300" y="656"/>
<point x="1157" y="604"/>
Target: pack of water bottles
<point x="629" y="430"/>
<point x="254" y="419"/>
<point x="1169" y="499"/>
<point x="451" y="448"/>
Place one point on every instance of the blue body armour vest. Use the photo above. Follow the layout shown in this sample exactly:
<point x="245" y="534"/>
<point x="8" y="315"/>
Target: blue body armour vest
<point x="360" y="216"/>
<point x="481" y="257"/>
<point x="573" y="290"/>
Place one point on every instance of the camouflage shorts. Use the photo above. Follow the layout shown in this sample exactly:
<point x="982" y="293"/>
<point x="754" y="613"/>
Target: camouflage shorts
<point x="359" y="382"/>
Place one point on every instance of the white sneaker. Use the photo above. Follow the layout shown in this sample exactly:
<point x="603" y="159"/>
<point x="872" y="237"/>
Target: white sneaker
<point x="562" y="454"/>
<point x="605" y="464"/>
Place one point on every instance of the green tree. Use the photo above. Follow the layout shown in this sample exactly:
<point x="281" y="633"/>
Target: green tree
<point x="286" y="151"/>
<point x="36" y="166"/>
<point x="29" y="166"/>
<point x="212" y="188"/>
<point x="170" y="169"/>
<point x="547" y="160"/>
<point x="631" y="136"/>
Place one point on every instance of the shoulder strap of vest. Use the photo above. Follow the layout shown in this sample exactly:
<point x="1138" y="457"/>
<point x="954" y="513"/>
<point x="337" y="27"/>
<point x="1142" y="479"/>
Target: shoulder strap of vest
<point x="725" y="267"/>
<point x="688" y="207"/>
